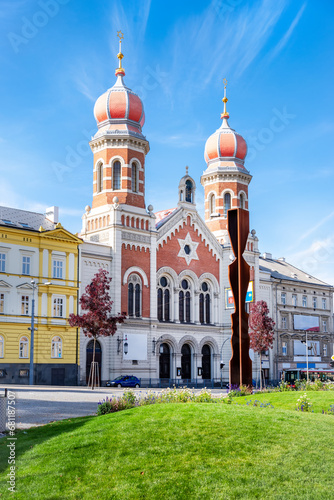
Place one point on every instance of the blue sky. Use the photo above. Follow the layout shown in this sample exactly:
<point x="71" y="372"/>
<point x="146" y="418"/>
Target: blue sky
<point x="58" y="56"/>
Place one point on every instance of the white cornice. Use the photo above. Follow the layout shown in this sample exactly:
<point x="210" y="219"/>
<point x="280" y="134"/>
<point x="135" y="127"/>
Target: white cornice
<point x="120" y="141"/>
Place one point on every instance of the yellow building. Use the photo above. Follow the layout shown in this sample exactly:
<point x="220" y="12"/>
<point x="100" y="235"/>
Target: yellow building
<point x="38" y="262"/>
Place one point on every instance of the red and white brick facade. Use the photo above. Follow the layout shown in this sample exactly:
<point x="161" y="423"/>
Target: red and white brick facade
<point x="170" y="269"/>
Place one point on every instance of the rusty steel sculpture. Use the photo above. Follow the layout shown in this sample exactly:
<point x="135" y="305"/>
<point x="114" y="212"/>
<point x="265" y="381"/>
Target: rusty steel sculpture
<point x="238" y="272"/>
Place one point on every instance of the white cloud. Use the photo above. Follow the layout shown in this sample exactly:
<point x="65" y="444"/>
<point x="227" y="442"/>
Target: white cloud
<point x="285" y="38"/>
<point x="317" y="259"/>
<point x="221" y="45"/>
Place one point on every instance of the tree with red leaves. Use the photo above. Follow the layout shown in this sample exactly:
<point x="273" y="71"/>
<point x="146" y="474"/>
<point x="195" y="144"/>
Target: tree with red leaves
<point x="261" y="330"/>
<point x="97" y="321"/>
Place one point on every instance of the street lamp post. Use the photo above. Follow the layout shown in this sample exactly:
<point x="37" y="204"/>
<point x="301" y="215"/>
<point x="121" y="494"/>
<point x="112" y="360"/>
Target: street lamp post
<point x="306" y="358"/>
<point x="221" y="362"/>
<point x="32" y="331"/>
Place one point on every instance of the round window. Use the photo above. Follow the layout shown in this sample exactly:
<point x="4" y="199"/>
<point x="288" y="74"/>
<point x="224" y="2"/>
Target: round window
<point x="163" y="281"/>
<point x="187" y="249"/>
<point x="185" y="284"/>
<point x="205" y="287"/>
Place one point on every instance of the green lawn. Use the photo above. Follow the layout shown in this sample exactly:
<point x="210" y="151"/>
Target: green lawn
<point x="181" y="451"/>
<point x="321" y="400"/>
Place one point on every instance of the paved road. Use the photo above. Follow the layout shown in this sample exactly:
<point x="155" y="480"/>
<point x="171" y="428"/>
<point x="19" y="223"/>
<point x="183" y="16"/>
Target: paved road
<point x="40" y="405"/>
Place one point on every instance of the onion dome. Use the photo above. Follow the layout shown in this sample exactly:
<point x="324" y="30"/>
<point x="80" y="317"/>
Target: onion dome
<point x="225" y="146"/>
<point x="119" y="110"/>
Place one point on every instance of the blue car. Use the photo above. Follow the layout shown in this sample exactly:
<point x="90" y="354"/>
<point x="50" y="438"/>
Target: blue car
<point x="124" y="381"/>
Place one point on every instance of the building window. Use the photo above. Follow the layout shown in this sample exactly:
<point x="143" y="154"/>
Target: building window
<point x="324" y="325"/>
<point x="212" y="204"/>
<point x="227" y="203"/>
<point x="2" y="262"/>
<point x="24" y="305"/>
<point x="284" y="348"/>
<point x="283" y="298"/>
<point x="57" y="269"/>
<point x="205" y="304"/>
<point x="2" y="347"/>
<point x="163" y="299"/>
<point x="294" y="299"/>
<point x="134" y="177"/>
<point x="117" y="175"/>
<point x="314" y="302"/>
<point x="189" y="191"/>
<point x="184" y="302"/>
<point x="134" y="296"/>
<point x="99" y="178"/>
<point x="304" y="301"/>
<point x="242" y="201"/>
<point x="24" y="345"/>
<point x="26" y="265"/>
<point x="284" y="322"/>
<point x="324" y="303"/>
<point x="56" y="347"/>
<point x="2" y="303"/>
<point x="58" y="307"/>
<point x="324" y="350"/>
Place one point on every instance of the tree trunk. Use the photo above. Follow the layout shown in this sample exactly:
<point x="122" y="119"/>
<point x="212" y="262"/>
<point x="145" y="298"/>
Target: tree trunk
<point x="260" y="370"/>
<point x="93" y="365"/>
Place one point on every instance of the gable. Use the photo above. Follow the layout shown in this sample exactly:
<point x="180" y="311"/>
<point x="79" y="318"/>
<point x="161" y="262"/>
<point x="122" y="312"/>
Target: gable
<point x="4" y="284"/>
<point x="61" y="234"/>
<point x="187" y="246"/>
<point x="25" y="286"/>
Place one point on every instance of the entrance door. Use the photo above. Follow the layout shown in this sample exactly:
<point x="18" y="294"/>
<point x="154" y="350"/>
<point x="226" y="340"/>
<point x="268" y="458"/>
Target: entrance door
<point x="186" y="362"/>
<point x="89" y="357"/>
<point x="164" y="361"/>
<point x="57" y="376"/>
<point x="206" y="362"/>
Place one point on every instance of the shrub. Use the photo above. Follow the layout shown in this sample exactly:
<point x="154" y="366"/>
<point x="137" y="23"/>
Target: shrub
<point x="261" y="404"/>
<point x="241" y="390"/>
<point x="284" y="386"/>
<point x="330" y="411"/>
<point x="126" y="401"/>
<point x="304" y="403"/>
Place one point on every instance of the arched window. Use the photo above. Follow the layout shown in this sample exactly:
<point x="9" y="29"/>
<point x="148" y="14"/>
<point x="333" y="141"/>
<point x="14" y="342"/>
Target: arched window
<point x="206" y="362"/>
<point x="99" y="178"/>
<point x="186" y="362"/>
<point x="117" y="175"/>
<point x="24" y="345"/>
<point x="56" y="347"/>
<point x="2" y="347"/>
<point x="242" y="201"/>
<point x="227" y="203"/>
<point x="163" y="299"/>
<point x="185" y="302"/>
<point x="164" y="361"/>
<point x="189" y="191"/>
<point x="205" y="304"/>
<point x="134" y="296"/>
<point x="134" y="177"/>
<point x="212" y="204"/>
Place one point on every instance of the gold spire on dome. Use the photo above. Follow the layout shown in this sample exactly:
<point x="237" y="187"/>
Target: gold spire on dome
<point x="120" y="70"/>
<point x="225" y="114"/>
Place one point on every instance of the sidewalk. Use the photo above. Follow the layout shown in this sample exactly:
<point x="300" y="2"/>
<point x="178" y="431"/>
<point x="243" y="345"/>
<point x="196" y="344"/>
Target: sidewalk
<point x="38" y="405"/>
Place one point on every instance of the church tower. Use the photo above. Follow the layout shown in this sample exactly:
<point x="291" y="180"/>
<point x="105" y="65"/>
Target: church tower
<point x="119" y="149"/>
<point x="226" y="179"/>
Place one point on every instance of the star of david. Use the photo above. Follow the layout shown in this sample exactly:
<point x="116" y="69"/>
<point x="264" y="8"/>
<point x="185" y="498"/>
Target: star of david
<point x="120" y="35"/>
<point x="188" y="249"/>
